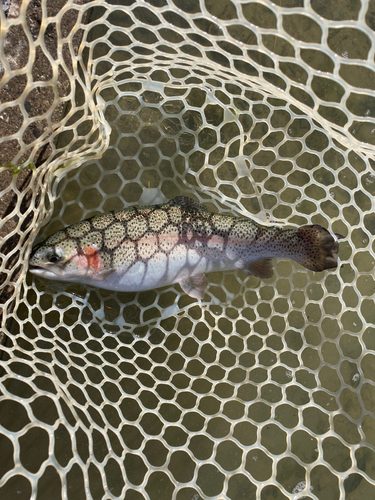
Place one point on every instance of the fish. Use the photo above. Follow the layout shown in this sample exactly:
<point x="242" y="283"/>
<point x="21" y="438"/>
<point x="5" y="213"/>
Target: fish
<point x="147" y="247"/>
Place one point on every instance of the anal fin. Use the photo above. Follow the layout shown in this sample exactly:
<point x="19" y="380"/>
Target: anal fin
<point x="261" y="268"/>
<point x="194" y="286"/>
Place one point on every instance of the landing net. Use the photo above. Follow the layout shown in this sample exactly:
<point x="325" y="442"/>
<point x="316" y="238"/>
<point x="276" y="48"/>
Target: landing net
<point x="265" y="389"/>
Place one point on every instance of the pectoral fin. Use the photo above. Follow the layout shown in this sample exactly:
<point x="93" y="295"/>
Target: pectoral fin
<point x="261" y="268"/>
<point x="194" y="286"/>
<point x="102" y="274"/>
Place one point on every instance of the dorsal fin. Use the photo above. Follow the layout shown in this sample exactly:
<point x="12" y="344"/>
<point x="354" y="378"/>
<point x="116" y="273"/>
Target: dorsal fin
<point x="185" y="201"/>
<point x="194" y="286"/>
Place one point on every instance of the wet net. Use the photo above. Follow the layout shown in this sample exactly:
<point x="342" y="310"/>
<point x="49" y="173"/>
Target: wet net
<point x="262" y="390"/>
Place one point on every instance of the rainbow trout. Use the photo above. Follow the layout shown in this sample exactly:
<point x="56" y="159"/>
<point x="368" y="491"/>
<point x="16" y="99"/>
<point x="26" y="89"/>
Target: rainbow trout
<point x="142" y="248"/>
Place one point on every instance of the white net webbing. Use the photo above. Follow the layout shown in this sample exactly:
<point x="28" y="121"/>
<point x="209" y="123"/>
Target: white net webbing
<point x="265" y="389"/>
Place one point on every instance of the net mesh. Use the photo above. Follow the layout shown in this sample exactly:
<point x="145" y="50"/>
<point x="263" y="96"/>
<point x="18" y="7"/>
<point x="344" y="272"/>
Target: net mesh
<point x="265" y="389"/>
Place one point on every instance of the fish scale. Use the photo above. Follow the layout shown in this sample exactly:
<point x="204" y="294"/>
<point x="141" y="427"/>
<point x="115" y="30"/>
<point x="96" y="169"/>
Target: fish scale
<point x="140" y="248"/>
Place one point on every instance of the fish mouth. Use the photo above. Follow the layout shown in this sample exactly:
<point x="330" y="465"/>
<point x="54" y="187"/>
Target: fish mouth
<point x="42" y="271"/>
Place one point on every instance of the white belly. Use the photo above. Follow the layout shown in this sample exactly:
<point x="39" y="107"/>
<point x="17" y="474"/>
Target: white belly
<point x="160" y="270"/>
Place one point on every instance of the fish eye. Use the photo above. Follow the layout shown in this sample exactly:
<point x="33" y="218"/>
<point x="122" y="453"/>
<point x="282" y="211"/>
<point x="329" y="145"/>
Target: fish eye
<point x="55" y="256"/>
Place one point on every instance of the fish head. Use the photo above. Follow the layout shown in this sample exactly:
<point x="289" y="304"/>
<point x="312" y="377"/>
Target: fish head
<point x="63" y="258"/>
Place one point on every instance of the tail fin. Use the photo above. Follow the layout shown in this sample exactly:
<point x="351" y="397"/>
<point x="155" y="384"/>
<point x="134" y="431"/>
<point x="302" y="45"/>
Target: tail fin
<point x="318" y="248"/>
